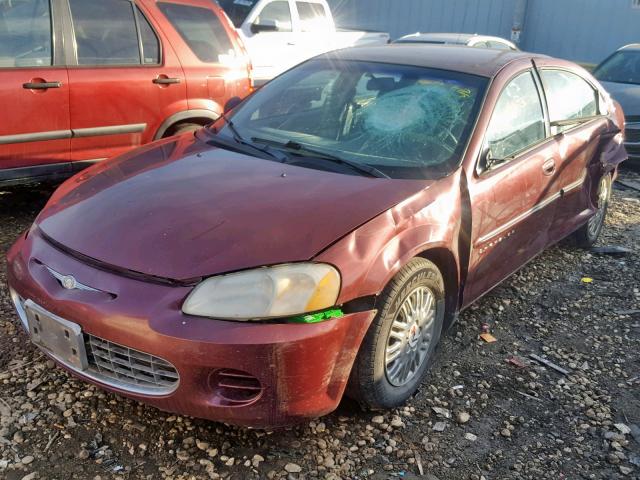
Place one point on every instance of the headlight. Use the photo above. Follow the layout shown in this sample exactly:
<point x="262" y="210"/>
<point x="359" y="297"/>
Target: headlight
<point x="280" y="291"/>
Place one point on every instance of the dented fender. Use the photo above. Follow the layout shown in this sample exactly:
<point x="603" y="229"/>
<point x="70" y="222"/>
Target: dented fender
<point x="372" y="254"/>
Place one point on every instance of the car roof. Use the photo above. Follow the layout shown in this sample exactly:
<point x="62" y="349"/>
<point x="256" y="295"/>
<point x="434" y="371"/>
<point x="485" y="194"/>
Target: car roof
<point x="455" y="38"/>
<point x="486" y="62"/>
<point x="632" y="46"/>
<point x="458" y="38"/>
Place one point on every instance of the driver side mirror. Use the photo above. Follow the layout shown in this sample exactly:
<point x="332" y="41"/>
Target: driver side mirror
<point x="266" y="25"/>
<point x="488" y="161"/>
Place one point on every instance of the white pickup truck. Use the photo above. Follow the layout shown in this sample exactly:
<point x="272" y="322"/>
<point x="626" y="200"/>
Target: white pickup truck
<point x="279" y="34"/>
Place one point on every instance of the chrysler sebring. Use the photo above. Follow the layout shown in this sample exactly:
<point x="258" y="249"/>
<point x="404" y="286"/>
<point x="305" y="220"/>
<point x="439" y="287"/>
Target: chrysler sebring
<point x="320" y="237"/>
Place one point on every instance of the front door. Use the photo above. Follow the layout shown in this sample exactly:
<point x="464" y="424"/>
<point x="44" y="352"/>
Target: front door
<point x="124" y="85"/>
<point x="514" y="193"/>
<point x="270" y="40"/>
<point x="34" y="92"/>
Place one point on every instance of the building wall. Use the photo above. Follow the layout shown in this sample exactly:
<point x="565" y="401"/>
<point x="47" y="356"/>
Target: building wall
<point x="581" y="30"/>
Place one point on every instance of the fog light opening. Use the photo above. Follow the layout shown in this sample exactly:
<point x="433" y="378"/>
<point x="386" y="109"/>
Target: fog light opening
<point x="235" y="388"/>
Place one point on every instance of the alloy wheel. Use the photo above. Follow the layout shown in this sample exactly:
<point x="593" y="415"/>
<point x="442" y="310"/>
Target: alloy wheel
<point x="410" y="336"/>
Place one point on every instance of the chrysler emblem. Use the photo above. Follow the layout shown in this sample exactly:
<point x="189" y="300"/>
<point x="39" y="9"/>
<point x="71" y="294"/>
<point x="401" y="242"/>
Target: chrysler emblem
<point x="69" y="282"/>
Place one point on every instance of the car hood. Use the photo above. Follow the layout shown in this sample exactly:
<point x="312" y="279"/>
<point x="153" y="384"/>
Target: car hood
<point x="625" y="94"/>
<point x="181" y="209"/>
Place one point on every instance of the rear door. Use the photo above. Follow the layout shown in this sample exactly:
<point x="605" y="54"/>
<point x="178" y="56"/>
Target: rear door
<point x="514" y="191"/>
<point x="125" y="78"/>
<point x="215" y="69"/>
<point x="571" y="98"/>
<point x="34" y="91"/>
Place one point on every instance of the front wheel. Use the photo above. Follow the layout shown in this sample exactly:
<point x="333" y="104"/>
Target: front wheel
<point x="400" y="344"/>
<point x="587" y="235"/>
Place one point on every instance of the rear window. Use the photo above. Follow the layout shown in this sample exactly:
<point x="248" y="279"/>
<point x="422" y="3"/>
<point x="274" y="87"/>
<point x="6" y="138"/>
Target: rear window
<point x="201" y="29"/>
<point x="25" y="33"/>
<point x="237" y="10"/>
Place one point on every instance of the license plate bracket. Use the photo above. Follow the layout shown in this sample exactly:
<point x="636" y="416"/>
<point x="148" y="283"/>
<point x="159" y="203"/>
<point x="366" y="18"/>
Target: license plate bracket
<point x="60" y="337"/>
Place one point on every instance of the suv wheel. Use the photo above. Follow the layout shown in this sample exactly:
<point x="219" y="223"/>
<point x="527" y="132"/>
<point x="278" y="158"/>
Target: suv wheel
<point x="400" y="344"/>
<point x="183" y="128"/>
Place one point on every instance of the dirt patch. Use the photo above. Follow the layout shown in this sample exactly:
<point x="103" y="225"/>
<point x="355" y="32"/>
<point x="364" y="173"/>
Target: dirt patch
<point x="497" y="420"/>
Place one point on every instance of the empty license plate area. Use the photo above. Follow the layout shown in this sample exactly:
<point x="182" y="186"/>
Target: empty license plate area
<point x="62" y="338"/>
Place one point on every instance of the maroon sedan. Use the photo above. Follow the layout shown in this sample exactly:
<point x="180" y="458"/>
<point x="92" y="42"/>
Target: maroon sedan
<point x="322" y="236"/>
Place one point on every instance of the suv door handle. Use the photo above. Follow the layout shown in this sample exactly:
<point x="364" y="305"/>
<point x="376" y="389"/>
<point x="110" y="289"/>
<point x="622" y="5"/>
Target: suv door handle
<point x="163" y="80"/>
<point x="549" y="167"/>
<point x="41" y="85"/>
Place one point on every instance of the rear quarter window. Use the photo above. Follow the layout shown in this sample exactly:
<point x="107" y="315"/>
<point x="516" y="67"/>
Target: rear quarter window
<point x="201" y="29"/>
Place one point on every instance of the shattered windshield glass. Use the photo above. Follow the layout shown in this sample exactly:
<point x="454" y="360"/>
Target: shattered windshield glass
<point x="408" y="122"/>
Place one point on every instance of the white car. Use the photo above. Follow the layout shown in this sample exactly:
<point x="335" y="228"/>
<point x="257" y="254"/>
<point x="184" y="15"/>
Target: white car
<point x="279" y="34"/>
<point x="468" y="39"/>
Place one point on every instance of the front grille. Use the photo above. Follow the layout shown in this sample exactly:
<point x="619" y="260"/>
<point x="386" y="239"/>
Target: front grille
<point x="632" y="135"/>
<point x="633" y="150"/>
<point x="130" y="369"/>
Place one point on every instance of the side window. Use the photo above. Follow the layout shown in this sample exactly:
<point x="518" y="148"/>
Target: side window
<point x="568" y="96"/>
<point x="481" y="45"/>
<point x="150" y="42"/>
<point x="201" y="29"/>
<point x="25" y="33"/>
<point x="499" y="45"/>
<point x="277" y="13"/>
<point x="105" y="32"/>
<point x="517" y="122"/>
<point x="312" y="17"/>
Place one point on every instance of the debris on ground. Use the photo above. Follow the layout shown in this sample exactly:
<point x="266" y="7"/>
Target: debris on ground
<point x="522" y="424"/>
<point x="549" y="363"/>
<point x="610" y="250"/>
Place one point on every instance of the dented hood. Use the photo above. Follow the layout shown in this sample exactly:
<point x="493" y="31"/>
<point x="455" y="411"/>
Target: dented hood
<point x="181" y="209"/>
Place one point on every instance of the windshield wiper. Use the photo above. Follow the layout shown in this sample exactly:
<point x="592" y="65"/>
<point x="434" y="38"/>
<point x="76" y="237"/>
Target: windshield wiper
<point x="300" y="149"/>
<point x="238" y="138"/>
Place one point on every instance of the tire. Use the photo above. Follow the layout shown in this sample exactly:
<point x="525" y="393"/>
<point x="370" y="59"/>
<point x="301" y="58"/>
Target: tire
<point x="183" y="128"/>
<point x="376" y="381"/>
<point x="587" y="235"/>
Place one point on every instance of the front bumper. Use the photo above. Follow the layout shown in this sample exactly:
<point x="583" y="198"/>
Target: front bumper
<point x="301" y="369"/>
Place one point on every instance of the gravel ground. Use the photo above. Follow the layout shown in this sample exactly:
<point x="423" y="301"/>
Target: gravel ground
<point x="477" y="416"/>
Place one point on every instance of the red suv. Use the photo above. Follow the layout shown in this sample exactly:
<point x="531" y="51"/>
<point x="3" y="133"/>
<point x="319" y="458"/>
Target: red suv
<point x="84" y="80"/>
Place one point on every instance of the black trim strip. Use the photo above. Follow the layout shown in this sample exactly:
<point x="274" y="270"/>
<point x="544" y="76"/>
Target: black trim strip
<point x="45" y="172"/>
<point x="124" y="272"/>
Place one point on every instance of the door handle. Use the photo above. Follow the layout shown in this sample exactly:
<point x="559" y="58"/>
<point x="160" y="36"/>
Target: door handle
<point x="166" y="81"/>
<point x="292" y="44"/>
<point x="41" y="85"/>
<point x="549" y="167"/>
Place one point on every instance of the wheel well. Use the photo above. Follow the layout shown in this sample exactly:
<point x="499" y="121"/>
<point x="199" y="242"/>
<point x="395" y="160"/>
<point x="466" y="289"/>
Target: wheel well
<point x="446" y="263"/>
<point x="174" y="127"/>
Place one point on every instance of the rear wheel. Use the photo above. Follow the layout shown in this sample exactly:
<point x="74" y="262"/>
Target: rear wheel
<point x="588" y="234"/>
<point x="400" y="344"/>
